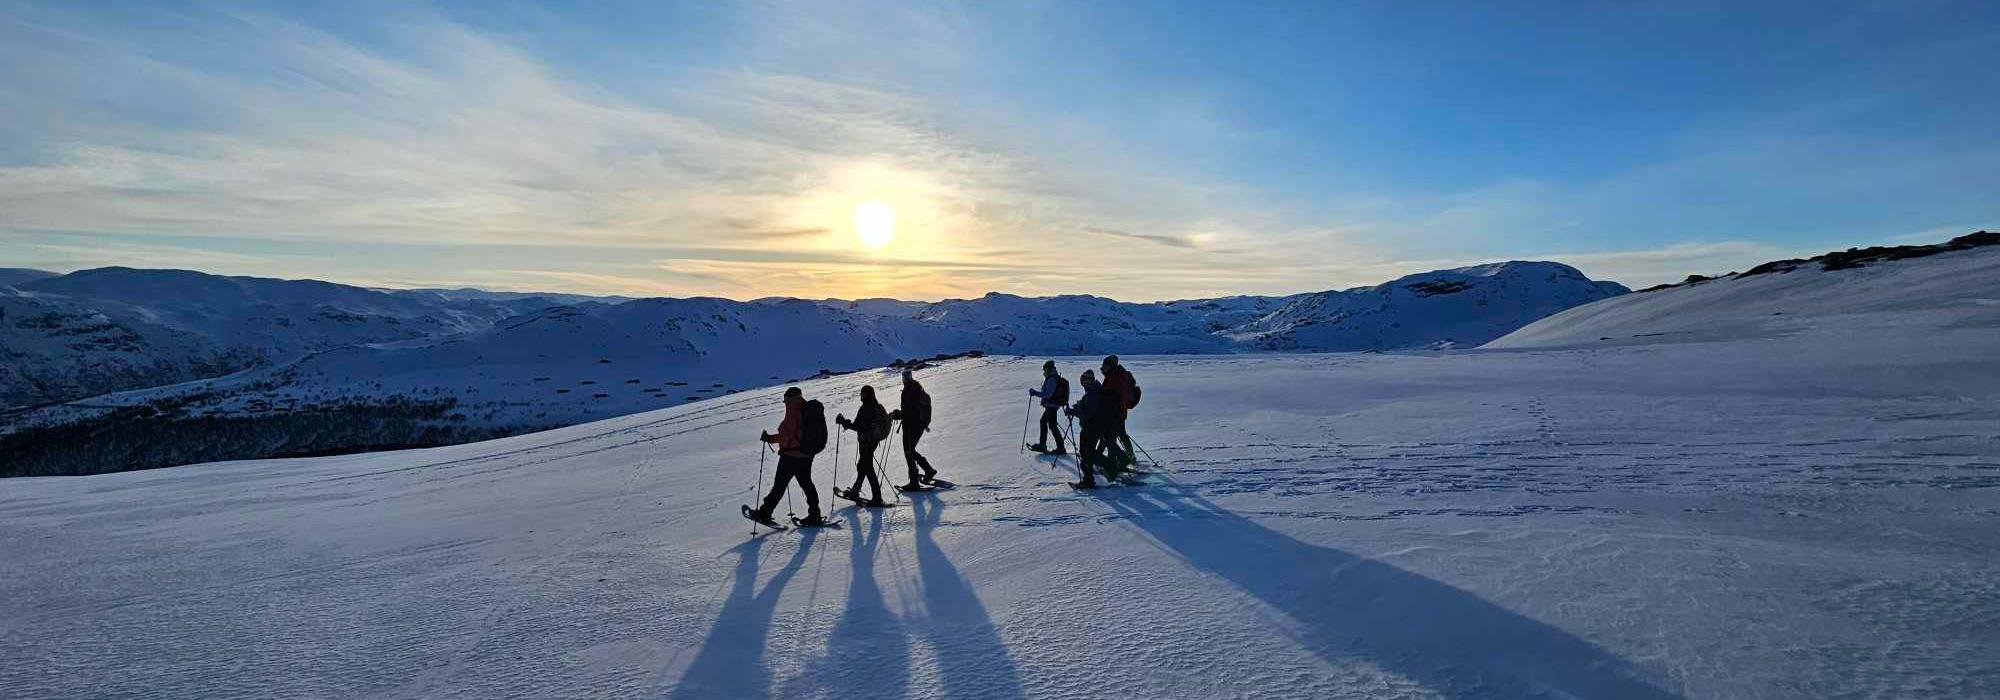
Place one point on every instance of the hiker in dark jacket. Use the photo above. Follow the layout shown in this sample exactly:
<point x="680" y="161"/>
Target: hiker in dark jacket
<point x="871" y="427"/>
<point x="1125" y="390"/>
<point x="794" y="463"/>
<point x="1054" y="394"/>
<point x="915" y="413"/>
<point x="1092" y="413"/>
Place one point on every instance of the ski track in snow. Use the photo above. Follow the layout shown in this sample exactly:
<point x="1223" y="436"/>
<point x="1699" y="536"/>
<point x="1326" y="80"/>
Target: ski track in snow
<point x="1573" y="523"/>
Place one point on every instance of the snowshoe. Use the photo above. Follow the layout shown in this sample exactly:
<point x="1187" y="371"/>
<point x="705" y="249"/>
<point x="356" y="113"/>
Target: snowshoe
<point x="815" y="521"/>
<point x="907" y="488"/>
<point x="751" y="515"/>
<point x="938" y="483"/>
<point x="1083" y="485"/>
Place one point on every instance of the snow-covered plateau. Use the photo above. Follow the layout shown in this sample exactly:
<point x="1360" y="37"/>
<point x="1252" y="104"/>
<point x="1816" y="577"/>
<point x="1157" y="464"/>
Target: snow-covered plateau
<point x="1784" y="485"/>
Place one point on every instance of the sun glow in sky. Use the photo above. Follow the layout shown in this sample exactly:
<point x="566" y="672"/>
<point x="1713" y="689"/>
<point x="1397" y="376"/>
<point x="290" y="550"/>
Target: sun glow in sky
<point x="874" y="223"/>
<point x="753" y="149"/>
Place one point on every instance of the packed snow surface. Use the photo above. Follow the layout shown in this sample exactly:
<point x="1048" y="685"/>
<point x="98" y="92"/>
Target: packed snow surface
<point x="1811" y="513"/>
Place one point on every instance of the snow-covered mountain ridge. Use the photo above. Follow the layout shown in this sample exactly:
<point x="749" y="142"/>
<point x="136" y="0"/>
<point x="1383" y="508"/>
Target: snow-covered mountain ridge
<point x="65" y="337"/>
<point x="455" y="365"/>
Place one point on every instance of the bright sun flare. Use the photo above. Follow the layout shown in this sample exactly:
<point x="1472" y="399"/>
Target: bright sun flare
<point x="875" y="223"/>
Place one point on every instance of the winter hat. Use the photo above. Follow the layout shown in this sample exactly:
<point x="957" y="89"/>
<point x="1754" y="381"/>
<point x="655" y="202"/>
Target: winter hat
<point x="1049" y="366"/>
<point x="794" y="393"/>
<point x="1111" y="360"/>
<point x="867" y="392"/>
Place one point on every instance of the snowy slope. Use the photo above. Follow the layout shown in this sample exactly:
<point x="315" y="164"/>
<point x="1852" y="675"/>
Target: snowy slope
<point x="1460" y="307"/>
<point x="112" y="329"/>
<point x="10" y="276"/>
<point x="1959" y="288"/>
<point x="1807" y="515"/>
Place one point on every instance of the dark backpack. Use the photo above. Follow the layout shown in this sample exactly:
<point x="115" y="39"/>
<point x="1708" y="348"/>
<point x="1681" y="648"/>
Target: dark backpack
<point x="814" y="440"/>
<point x="878" y="424"/>
<point x="1134" y="403"/>
<point x="1061" y="397"/>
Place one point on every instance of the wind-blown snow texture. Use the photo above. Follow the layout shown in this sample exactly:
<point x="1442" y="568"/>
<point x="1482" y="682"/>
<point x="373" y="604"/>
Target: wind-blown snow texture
<point x="1803" y="514"/>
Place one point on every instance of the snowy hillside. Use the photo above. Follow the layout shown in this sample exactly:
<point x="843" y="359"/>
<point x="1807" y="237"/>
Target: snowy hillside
<point x="1461" y="307"/>
<point x="111" y="329"/>
<point x="1955" y="284"/>
<point x="395" y="376"/>
<point x="1803" y="515"/>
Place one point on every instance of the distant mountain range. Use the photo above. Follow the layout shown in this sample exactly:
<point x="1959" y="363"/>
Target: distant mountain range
<point x="148" y="348"/>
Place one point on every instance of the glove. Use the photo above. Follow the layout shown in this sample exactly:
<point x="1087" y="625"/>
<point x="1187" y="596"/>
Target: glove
<point x="1034" y="392"/>
<point x="764" y="435"/>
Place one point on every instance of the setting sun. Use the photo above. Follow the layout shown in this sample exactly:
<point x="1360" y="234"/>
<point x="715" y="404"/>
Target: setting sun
<point x="875" y="223"/>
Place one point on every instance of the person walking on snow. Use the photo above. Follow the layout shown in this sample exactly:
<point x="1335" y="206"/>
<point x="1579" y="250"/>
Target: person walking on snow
<point x="795" y="457"/>
<point x="915" y="413"/>
<point x="1054" y="395"/>
<point x="1093" y="414"/>
<point x="871" y="427"/>
<point x="1125" y="389"/>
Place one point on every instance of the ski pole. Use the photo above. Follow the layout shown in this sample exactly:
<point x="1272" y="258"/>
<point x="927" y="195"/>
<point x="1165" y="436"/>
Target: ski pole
<point x="760" y="480"/>
<point x="1149" y="455"/>
<point x="1024" y="424"/>
<point x="836" y="457"/>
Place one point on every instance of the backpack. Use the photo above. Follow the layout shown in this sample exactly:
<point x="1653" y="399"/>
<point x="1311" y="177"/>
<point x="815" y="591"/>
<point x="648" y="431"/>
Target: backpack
<point x="814" y="440"/>
<point x="916" y="407"/>
<point x="878" y="424"/>
<point x="1133" y="402"/>
<point x="1061" y="397"/>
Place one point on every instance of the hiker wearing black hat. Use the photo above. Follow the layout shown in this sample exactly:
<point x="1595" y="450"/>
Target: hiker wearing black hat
<point x="915" y="415"/>
<point x="1054" y="395"/>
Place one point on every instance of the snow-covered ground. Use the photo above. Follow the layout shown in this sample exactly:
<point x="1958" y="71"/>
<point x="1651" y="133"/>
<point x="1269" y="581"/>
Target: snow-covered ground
<point x="1805" y="514"/>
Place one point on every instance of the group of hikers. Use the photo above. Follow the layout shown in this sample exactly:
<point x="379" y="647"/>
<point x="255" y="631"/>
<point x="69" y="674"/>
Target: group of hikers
<point x="1102" y="443"/>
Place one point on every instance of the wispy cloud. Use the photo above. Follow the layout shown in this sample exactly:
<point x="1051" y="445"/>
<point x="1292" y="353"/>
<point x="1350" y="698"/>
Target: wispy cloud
<point x="1174" y="241"/>
<point x="739" y="176"/>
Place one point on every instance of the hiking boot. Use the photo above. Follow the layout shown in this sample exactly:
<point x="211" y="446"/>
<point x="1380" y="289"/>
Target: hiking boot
<point x="914" y="486"/>
<point x="1038" y="447"/>
<point x="930" y="476"/>
<point x="876" y="502"/>
<point x="812" y="520"/>
<point x="1059" y="451"/>
<point x="1085" y="484"/>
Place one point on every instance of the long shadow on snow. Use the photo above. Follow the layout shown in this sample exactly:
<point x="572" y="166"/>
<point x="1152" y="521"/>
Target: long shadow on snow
<point x="971" y="659"/>
<point x="1347" y="607"/>
<point x="868" y="654"/>
<point x="731" y="661"/>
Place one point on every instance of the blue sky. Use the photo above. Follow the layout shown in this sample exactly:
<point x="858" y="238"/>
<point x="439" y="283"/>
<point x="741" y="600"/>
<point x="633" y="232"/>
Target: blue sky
<point x="1139" y="150"/>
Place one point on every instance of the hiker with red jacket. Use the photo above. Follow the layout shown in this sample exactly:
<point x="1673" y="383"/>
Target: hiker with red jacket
<point x="1119" y="384"/>
<point x="795" y="455"/>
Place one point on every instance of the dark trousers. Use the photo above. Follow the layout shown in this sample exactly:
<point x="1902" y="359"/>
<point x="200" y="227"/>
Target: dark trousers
<point x="1087" y="454"/>
<point x="911" y="434"/>
<point x="792" y="468"/>
<point x="1049" y="425"/>
<point x="864" y="468"/>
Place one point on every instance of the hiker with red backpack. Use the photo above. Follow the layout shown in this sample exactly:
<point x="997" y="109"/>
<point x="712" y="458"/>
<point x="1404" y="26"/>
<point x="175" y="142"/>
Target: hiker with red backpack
<point x="1054" y="395"/>
<point x="801" y="436"/>
<point x="871" y="427"/>
<point x="1118" y="382"/>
